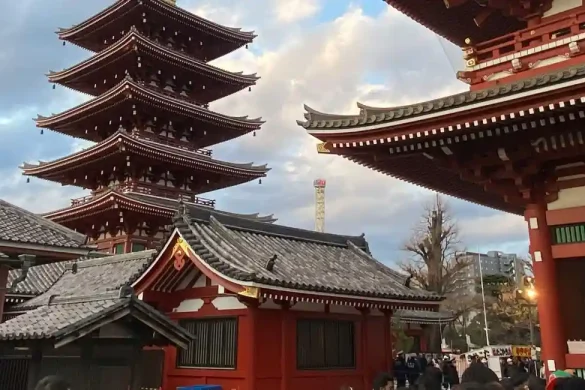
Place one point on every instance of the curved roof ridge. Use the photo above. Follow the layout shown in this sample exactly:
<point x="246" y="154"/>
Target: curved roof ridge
<point x="246" y="36"/>
<point x="212" y="245"/>
<point x="129" y="83"/>
<point x="152" y="201"/>
<point x="120" y="136"/>
<point x="134" y="34"/>
<point x="441" y="107"/>
<point x="314" y="115"/>
<point x="250" y="165"/>
<point x="28" y="166"/>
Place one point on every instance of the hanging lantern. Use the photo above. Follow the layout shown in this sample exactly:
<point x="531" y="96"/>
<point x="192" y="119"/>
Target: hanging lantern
<point x="42" y="131"/>
<point x="249" y="89"/>
<point x="246" y="45"/>
<point x="254" y="133"/>
<point x="28" y="179"/>
<point x="260" y="181"/>
<point x="54" y="86"/>
<point x="63" y="43"/>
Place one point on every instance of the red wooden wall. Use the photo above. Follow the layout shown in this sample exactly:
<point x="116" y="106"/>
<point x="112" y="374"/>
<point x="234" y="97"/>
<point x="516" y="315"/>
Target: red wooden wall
<point x="266" y="355"/>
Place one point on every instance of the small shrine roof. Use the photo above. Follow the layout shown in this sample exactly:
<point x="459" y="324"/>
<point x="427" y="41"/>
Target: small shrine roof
<point x="21" y="227"/>
<point x="379" y="118"/>
<point x="86" y="293"/>
<point x="149" y="46"/>
<point x="128" y="89"/>
<point x="303" y="260"/>
<point x="152" y="149"/>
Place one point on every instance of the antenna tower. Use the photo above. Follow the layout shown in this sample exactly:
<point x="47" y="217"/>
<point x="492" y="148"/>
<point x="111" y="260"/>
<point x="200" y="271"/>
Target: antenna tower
<point x="319" y="185"/>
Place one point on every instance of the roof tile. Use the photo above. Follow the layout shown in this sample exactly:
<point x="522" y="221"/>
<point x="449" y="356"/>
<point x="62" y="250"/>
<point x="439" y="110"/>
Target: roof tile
<point x="22" y="226"/>
<point x="94" y="277"/>
<point x="375" y="115"/>
<point x="304" y="260"/>
<point x="74" y="295"/>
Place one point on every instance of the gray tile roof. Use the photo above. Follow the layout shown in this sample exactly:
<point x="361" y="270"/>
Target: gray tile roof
<point x="375" y="115"/>
<point x="38" y="279"/>
<point x="21" y="226"/>
<point x="41" y="277"/>
<point x="94" y="277"/>
<point x="61" y="318"/>
<point x="305" y="260"/>
<point x="423" y="316"/>
<point x="81" y="293"/>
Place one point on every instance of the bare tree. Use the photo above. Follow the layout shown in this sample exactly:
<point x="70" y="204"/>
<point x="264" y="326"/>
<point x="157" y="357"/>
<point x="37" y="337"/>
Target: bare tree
<point x="434" y="247"/>
<point x="434" y="263"/>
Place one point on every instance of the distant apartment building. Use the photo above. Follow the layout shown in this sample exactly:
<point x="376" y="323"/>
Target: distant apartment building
<point x="493" y="263"/>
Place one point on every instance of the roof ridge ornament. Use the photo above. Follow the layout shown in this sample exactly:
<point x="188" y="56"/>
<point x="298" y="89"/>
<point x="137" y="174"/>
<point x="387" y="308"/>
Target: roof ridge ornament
<point x="182" y="209"/>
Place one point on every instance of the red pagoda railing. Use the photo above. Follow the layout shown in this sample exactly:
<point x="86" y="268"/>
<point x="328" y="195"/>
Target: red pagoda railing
<point x="82" y="200"/>
<point x="548" y="31"/>
<point x="145" y="189"/>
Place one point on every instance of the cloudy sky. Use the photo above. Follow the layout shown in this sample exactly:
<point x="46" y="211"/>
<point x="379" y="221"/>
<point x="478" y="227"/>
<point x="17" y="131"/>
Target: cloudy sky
<point x="328" y="54"/>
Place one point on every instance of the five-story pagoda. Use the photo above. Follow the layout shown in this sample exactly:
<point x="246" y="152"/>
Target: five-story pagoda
<point x="149" y="116"/>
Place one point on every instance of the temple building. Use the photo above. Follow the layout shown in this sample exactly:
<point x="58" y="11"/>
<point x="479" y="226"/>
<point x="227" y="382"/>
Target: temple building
<point x="326" y="305"/>
<point x="150" y="119"/>
<point x="513" y="142"/>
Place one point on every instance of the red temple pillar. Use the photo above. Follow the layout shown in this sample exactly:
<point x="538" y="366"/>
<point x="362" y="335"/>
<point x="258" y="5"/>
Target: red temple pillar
<point x="364" y="349"/>
<point x="252" y="340"/>
<point x="554" y="343"/>
<point x="389" y="362"/>
<point x="286" y="352"/>
<point x="3" y="288"/>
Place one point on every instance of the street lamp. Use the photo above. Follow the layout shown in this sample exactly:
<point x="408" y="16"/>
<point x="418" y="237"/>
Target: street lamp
<point x="529" y="295"/>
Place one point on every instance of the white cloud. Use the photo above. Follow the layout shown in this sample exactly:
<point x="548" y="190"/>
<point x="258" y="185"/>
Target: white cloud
<point x="384" y="60"/>
<point x="290" y="11"/>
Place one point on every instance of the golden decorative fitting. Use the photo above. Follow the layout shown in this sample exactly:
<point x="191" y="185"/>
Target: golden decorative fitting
<point x="322" y="148"/>
<point x="180" y="252"/>
<point x="172" y="2"/>
<point x="250" y="292"/>
<point x="468" y="41"/>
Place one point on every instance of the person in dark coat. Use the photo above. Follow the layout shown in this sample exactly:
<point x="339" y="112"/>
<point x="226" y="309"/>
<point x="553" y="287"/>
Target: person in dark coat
<point x="450" y="374"/>
<point x="422" y="363"/>
<point x="431" y="379"/>
<point x="477" y="372"/>
<point x="400" y="371"/>
<point x="413" y="370"/>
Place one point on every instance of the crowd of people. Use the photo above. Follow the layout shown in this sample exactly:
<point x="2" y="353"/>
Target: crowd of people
<point x="421" y="373"/>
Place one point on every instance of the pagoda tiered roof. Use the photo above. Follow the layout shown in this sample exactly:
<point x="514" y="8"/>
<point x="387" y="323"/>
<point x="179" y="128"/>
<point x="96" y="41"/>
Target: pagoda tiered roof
<point x="96" y="115"/>
<point x="212" y="40"/>
<point x="133" y="200"/>
<point x="82" y="168"/>
<point x="98" y="74"/>
<point x="424" y="143"/>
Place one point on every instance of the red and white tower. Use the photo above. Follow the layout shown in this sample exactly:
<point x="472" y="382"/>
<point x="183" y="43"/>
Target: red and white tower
<point x="319" y="185"/>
